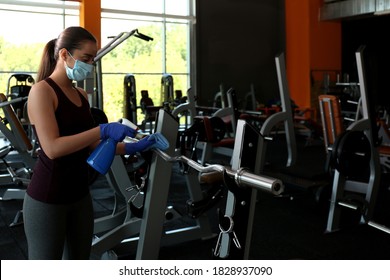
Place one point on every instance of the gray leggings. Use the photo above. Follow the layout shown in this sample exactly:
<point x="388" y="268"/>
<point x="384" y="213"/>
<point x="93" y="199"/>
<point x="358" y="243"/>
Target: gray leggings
<point x="58" y="231"/>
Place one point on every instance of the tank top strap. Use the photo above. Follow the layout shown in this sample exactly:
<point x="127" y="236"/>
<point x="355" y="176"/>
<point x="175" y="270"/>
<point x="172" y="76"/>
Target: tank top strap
<point x="60" y="94"/>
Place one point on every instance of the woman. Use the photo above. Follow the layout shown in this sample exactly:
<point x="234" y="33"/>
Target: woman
<point x="58" y="212"/>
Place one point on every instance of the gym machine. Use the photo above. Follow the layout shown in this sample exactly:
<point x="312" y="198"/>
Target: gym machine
<point x="242" y="203"/>
<point x="187" y="109"/>
<point x="166" y="95"/>
<point x="159" y="177"/>
<point x="130" y="104"/>
<point x="286" y="116"/>
<point x="151" y="228"/>
<point x="250" y="102"/>
<point x="237" y="222"/>
<point x="21" y="88"/>
<point x="224" y="146"/>
<point x="354" y="153"/>
<point x="220" y="99"/>
<point x="166" y="98"/>
<point x="18" y="172"/>
<point x="229" y="113"/>
<point x="148" y="230"/>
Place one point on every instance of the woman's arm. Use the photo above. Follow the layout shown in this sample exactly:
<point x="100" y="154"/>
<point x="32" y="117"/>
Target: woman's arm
<point x="42" y="103"/>
<point x="120" y="149"/>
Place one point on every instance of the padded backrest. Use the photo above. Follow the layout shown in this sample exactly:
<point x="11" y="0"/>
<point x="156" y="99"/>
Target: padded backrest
<point x="332" y="120"/>
<point x="16" y="127"/>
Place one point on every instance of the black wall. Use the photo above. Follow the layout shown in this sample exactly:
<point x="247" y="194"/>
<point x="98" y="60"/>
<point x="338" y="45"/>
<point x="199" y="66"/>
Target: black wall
<point x="372" y="33"/>
<point x="237" y="41"/>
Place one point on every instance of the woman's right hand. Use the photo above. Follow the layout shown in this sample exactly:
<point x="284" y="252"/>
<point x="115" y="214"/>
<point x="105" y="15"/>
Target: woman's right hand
<point x="156" y="140"/>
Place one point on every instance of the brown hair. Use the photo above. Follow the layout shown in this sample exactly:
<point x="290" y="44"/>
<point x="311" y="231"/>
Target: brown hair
<point x="71" y="38"/>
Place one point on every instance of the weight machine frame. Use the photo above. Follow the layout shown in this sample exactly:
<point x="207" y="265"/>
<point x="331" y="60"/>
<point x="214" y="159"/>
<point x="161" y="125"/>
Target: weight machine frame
<point x="149" y="229"/>
<point x="341" y="183"/>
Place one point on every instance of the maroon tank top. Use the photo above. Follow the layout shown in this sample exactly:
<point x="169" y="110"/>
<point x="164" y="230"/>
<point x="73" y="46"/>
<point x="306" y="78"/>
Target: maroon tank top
<point x="65" y="179"/>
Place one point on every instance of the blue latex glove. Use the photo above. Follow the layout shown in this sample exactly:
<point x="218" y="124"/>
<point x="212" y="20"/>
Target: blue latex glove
<point x="156" y="140"/>
<point x="160" y="141"/>
<point x="116" y="131"/>
<point x="141" y="145"/>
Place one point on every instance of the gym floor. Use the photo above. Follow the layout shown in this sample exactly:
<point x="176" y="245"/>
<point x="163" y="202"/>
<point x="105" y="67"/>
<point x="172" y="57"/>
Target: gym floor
<point x="288" y="227"/>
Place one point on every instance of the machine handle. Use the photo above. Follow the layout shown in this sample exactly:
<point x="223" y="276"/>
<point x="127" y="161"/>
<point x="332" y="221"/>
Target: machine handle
<point x="12" y="101"/>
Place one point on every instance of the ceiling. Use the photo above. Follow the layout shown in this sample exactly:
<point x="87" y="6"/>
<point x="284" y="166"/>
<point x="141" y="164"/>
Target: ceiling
<point x="344" y="9"/>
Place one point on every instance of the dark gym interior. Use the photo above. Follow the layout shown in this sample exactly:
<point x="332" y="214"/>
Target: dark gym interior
<point x="320" y="215"/>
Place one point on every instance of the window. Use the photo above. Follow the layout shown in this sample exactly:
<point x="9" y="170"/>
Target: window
<point x="168" y="22"/>
<point x="25" y="30"/>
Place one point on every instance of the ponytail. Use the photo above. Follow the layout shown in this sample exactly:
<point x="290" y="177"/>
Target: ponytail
<point x="48" y="61"/>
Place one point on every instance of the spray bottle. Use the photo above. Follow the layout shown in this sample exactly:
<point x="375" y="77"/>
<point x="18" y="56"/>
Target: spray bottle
<point x="103" y="156"/>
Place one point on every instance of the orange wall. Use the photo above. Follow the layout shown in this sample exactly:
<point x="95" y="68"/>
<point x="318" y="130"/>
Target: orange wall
<point x="325" y="41"/>
<point x="298" y="50"/>
<point x="90" y="17"/>
<point x="311" y="46"/>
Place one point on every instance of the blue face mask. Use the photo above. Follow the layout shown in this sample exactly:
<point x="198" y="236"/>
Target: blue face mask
<point x="80" y="70"/>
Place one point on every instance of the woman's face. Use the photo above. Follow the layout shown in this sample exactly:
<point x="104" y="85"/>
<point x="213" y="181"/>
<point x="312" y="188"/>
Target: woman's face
<point x="86" y="54"/>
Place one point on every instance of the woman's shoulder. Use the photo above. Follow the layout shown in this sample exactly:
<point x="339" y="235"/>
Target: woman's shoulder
<point x="41" y="85"/>
<point x="41" y="90"/>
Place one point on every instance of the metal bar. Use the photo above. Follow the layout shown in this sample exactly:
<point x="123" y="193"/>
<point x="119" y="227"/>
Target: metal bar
<point x="12" y="101"/>
<point x="243" y="178"/>
<point x="287" y="108"/>
<point x="113" y="44"/>
<point x="348" y="205"/>
<point x="379" y="226"/>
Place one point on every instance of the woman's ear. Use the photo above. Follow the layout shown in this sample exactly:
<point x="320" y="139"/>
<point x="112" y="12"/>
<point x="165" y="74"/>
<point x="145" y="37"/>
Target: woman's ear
<point x="63" y="54"/>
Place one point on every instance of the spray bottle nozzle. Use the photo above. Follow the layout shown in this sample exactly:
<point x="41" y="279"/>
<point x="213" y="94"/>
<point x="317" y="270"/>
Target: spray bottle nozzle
<point x="128" y="123"/>
<point x="125" y="121"/>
